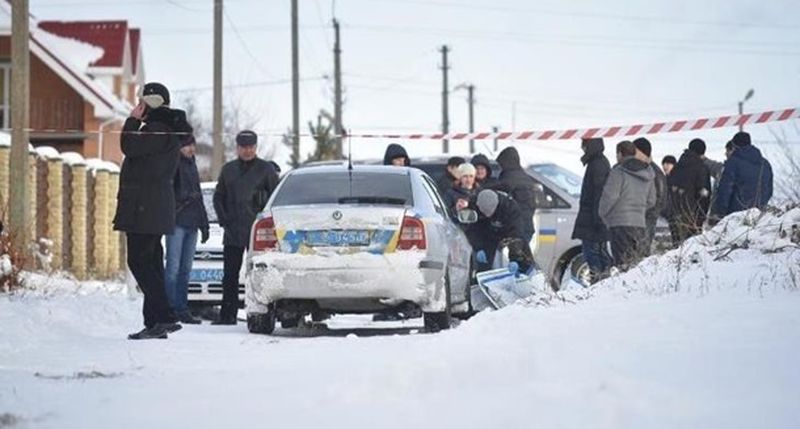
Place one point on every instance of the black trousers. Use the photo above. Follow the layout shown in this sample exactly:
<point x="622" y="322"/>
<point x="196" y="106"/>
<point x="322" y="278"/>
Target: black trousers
<point x="146" y="262"/>
<point x="628" y="245"/>
<point x="232" y="264"/>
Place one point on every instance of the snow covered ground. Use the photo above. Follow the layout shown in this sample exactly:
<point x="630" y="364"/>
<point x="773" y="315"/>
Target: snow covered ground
<point x="715" y="346"/>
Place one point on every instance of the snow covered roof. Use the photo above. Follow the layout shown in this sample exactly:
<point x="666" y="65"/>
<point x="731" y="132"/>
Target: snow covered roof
<point x="111" y="36"/>
<point x="69" y="58"/>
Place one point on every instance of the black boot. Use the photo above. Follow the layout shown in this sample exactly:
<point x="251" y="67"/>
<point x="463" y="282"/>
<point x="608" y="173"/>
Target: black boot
<point x="170" y="327"/>
<point x="188" y="318"/>
<point x="156" y="332"/>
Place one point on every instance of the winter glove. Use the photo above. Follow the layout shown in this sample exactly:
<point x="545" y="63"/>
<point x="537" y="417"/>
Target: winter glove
<point x="204" y="235"/>
<point x="481" y="258"/>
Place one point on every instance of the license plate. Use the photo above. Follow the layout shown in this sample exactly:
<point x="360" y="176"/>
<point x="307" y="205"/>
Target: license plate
<point x="206" y="276"/>
<point x="337" y="238"/>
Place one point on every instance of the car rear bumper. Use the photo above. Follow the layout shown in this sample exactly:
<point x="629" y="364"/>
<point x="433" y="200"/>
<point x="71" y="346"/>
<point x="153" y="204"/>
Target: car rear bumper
<point x="390" y="278"/>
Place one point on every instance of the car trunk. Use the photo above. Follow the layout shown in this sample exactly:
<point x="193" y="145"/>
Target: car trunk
<point x="338" y="229"/>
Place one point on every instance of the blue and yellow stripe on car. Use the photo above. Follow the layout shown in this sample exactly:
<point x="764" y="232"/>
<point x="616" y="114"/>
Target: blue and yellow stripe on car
<point x="546" y="235"/>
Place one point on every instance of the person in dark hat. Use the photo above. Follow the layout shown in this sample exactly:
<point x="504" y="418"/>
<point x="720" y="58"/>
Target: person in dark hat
<point x="698" y="146"/>
<point x="450" y="177"/>
<point x="668" y="163"/>
<point x="501" y="223"/>
<point x="244" y="184"/>
<point x="644" y="151"/>
<point x="190" y="217"/>
<point x="151" y="139"/>
<point x="589" y="228"/>
<point x="483" y="171"/>
<point x="689" y="193"/>
<point x="520" y="186"/>
<point x="746" y="180"/>
<point x="396" y="155"/>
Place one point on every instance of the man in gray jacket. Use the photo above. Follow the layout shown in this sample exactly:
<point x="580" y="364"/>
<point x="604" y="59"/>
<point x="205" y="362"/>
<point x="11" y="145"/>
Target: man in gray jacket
<point x="627" y="195"/>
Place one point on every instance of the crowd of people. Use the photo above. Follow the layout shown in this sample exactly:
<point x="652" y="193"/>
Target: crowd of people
<point x="160" y="196"/>
<point x="620" y="205"/>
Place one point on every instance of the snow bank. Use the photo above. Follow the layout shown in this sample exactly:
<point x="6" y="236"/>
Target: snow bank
<point x="747" y="252"/>
<point x="48" y="152"/>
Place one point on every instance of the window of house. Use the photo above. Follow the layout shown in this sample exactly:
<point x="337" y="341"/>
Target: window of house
<point x="5" y="77"/>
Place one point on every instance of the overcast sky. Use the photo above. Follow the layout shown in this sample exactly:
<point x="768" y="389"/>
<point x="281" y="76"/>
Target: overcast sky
<point x="562" y="63"/>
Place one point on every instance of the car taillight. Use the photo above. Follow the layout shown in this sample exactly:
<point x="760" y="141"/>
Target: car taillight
<point x="264" y="235"/>
<point x="412" y="234"/>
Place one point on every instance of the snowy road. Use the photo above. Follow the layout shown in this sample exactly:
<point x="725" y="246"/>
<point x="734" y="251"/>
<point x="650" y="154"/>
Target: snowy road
<point x="727" y="360"/>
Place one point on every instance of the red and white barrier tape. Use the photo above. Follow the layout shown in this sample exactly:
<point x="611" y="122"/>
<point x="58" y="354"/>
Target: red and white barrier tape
<point x="570" y="134"/>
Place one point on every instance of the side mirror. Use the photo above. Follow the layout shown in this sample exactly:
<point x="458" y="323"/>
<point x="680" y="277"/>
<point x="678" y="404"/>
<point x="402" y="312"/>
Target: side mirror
<point x="467" y="216"/>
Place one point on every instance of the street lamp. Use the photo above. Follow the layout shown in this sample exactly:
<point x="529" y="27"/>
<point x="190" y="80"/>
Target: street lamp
<point x="747" y="96"/>
<point x="471" y="100"/>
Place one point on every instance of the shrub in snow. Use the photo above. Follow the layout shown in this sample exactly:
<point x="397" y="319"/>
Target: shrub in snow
<point x="11" y="262"/>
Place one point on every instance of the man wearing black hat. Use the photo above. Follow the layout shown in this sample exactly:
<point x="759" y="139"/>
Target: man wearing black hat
<point x="746" y="180"/>
<point x="151" y="139"/>
<point x="243" y="183"/>
<point x="689" y="187"/>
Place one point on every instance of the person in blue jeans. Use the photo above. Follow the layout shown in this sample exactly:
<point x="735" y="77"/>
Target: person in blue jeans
<point x="190" y="217"/>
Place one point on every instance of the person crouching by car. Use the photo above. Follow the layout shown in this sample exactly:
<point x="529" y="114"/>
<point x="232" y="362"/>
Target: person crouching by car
<point x="243" y="184"/>
<point x="190" y="216"/>
<point x="501" y="223"/>
<point x="150" y="141"/>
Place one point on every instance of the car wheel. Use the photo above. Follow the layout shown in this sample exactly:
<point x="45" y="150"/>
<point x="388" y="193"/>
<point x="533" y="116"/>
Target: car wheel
<point x="435" y="322"/>
<point x="261" y="323"/>
<point x="576" y="270"/>
<point x="290" y="323"/>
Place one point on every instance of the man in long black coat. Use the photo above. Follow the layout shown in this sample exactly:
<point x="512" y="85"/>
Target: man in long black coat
<point x="589" y="228"/>
<point x="520" y="186"/>
<point x="689" y="187"/>
<point x="151" y="139"/>
<point x="243" y="187"/>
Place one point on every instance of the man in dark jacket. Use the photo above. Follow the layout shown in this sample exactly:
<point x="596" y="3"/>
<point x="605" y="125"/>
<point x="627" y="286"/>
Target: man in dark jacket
<point x="520" y="186"/>
<point x="589" y="228"/>
<point x="450" y="177"/>
<point x="689" y="188"/>
<point x="146" y="199"/>
<point x="501" y="223"/>
<point x="396" y="155"/>
<point x="746" y="180"/>
<point x="190" y="217"/>
<point x="628" y="193"/>
<point x="483" y="171"/>
<point x="244" y="185"/>
<point x="668" y="163"/>
<point x="644" y="151"/>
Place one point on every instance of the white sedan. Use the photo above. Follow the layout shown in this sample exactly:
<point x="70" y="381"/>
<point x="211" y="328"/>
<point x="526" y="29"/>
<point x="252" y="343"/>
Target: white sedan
<point x="362" y="240"/>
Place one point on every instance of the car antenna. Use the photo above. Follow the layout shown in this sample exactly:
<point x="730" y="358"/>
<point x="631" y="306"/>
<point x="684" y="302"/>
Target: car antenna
<point x="349" y="151"/>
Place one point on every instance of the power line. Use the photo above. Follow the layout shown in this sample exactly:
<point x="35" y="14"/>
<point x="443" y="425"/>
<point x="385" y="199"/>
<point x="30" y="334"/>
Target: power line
<point x="247" y="84"/>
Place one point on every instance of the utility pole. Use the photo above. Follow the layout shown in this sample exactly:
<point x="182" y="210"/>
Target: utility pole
<point x="295" y="88"/>
<point x="495" y="129"/>
<point x="747" y="96"/>
<point x="471" y="100"/>
<point x="445" y="95"/>
<point x="19" y="208"/>
<point x="337" y="90"/>
<point x="218" y="151"/>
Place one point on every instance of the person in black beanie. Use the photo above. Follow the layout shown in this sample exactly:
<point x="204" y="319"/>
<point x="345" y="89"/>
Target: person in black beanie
<point x="668" y="163"/>
<point x="698" y="146"/>
<point x="644" y="150"/>
<point x="243" y="187"/>
<point x="450" y="177"/>
<point x="151" y="139"/>
<point x="746" y="180"/>
<point x="689" y="193"/>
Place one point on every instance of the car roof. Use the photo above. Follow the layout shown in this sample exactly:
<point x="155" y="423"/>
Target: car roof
<point x="360" y="168"/>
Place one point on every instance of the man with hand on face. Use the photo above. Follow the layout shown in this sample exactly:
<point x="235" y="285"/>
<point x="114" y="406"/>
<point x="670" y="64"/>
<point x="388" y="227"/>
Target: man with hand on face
<point x="243" y="186"/>
<point x="151" y="139"/>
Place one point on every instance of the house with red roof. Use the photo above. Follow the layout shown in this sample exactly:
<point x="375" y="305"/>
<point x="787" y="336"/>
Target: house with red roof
<point x="84" y="79"/>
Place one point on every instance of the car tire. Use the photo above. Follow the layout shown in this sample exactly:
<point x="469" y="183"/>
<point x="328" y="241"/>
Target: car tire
<point x="290" y="323"/>
<point x="438" y="321"/>
<point x="576" y="269"/>
<point x="261" y="323"/>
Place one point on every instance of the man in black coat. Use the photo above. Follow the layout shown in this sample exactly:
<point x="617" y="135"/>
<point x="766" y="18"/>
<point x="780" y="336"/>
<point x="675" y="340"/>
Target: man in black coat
<point x="450" y="177"/>
<point x="589" y="228"/>
<point x="243" y="187"/>
<point x="689" y="193"/>
<point x="501" y="223"/>
<point x="151" y="139"/>
<point x="644" y="151"/>
<point x="520" y="186"/>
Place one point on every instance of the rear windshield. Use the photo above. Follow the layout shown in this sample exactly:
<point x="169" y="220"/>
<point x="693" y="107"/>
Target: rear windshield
<point x="344" y="188"/>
